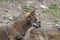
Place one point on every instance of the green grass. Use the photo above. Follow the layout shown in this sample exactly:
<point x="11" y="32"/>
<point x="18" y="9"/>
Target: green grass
<point x="26" y="8"/>
<point x="53" y="8"/>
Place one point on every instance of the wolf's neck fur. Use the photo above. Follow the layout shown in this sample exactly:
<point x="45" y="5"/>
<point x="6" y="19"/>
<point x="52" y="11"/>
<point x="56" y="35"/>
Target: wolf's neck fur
<point x="25" y="23"/>
<point x="22" y="23"/>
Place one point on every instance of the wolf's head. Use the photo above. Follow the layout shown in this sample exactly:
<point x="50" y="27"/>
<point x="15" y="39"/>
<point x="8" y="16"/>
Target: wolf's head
<point x="32" y="19"/>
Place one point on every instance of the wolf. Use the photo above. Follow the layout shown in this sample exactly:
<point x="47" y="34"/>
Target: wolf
<point x="20" y="26"/>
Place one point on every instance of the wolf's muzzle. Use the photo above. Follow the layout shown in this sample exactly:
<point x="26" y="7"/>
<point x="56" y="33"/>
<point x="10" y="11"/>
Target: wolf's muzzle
<point x="37" y="25"/>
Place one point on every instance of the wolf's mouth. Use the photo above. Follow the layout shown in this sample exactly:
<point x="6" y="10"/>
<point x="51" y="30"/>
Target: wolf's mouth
<point x="37" y="25"/>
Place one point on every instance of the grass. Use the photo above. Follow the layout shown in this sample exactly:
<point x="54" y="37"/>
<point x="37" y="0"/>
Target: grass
<point x="53" y="8"/>
<point x="26" y="8"/>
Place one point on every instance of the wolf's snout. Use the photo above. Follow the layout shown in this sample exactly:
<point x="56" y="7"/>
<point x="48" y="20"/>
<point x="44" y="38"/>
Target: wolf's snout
<point x="37" y="25"/>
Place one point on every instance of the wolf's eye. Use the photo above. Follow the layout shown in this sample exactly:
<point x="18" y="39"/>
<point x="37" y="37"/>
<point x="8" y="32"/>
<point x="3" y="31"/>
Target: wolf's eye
<point x="35" y="20"/>
<point x="39" y="22"/>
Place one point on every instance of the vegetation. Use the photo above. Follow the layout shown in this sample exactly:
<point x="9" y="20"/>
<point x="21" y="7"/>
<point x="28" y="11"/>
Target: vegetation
<point x="53" y="8"/>
<point x="26" y="8"/>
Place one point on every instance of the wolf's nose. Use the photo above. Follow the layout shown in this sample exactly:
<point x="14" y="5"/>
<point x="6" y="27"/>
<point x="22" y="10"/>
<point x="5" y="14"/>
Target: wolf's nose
<point x="39" y="24"/>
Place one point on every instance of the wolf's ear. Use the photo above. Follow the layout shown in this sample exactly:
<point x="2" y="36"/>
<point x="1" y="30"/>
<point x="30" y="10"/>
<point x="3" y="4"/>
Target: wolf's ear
<point x="29" y="14"/>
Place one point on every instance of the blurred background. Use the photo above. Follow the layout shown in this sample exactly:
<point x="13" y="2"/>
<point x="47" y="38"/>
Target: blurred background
<point x="48" y="11"/>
